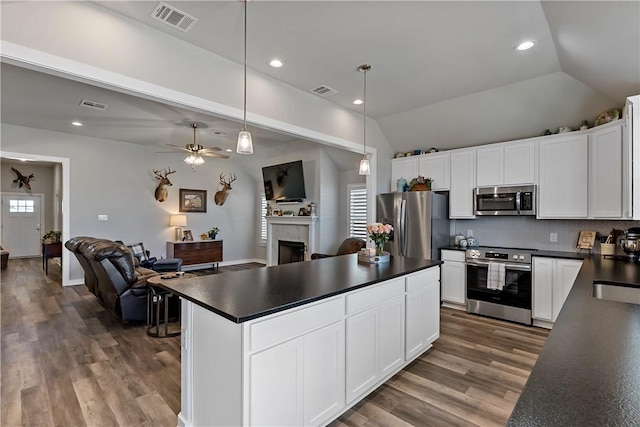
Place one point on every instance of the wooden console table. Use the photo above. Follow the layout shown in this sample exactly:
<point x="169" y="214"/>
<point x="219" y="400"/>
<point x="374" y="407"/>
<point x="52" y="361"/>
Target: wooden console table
<point x="196" y="252"/>
<point x="50" y="250"/>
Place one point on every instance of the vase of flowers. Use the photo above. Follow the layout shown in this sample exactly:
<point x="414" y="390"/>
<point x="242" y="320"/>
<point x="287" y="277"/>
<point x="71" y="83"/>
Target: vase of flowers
<point x="213" y="232"/>
<point x="379" y="233"/>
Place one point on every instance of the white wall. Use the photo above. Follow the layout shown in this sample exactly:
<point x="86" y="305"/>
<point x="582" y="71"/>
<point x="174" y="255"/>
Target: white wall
<point x="116" y="179"/>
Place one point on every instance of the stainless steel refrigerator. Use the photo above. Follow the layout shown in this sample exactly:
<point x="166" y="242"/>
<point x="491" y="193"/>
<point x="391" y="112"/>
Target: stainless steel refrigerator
<point x="420" y="222"/>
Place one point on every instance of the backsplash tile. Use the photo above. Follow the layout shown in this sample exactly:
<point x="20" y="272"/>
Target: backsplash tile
<point x="528" y="232"/>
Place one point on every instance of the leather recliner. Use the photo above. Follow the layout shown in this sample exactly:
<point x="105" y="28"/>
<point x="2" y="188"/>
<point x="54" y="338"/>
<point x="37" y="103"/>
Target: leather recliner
<point x="76" y="246"/>
<point x="120" y="285"/>
<point x="348" y="246"/>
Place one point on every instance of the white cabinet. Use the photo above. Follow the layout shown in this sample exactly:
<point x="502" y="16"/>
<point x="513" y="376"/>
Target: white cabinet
<point x="422" y="310"/>
<point x="563" y="177"/>
<point x="511" y="163"/>
<point x="463" y="181"/>
<point x="631" y="165"/>
<point x="454" y="277"/>
<point x="520" y="162"/>
<point x="374" y="335"/>
<point x="436" y="167"/>
<point x="606" y="173"/>
<point x="404" y="167"/>
<point x="552" y="281"/>
<point x="490" y="165"/>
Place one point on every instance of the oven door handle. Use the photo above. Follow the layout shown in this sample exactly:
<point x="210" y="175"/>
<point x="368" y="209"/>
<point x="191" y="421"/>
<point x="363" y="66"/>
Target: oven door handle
<point x="518" y="267"/>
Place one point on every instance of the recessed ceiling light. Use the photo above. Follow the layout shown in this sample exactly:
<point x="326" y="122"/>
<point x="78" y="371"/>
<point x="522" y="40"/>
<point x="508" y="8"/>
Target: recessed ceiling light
<point x="76" y="123"/>
<point x="358" y="102"/>
<point x="229" y="150"/>
<point x="276" y="63"/>
<point x="526" y="45"/>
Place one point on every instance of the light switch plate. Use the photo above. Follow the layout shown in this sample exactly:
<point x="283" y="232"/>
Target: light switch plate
<point x="103" y="217"/>
<point x="553" y="237"/>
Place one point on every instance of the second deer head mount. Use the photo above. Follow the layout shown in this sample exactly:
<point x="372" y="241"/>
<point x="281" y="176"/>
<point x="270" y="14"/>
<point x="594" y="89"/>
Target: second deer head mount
<point x="221" y="196"/>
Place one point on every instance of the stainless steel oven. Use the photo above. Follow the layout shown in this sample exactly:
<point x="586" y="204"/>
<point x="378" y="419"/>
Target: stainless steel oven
<point x="505" y="200"/>
<point x="499" y="283"/>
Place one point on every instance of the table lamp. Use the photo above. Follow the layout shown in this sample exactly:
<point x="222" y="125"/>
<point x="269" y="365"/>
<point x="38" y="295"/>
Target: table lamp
<point x="178" y="221"/>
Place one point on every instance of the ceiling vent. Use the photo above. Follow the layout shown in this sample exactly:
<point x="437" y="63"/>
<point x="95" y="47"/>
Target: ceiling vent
<point x="324" y="90"/>
<point x="93" y="104"/>
<point x="174" y="17"/>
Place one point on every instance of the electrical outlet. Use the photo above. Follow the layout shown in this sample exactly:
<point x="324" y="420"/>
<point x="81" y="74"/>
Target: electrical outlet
<point x="103" y="217"/>
<point x="469" y="233"/>
<point x="553" y="237"/>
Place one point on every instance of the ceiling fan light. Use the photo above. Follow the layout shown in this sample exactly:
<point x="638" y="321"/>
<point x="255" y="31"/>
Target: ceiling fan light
<point x="245" y="145"/>
<point x="194" y="159"/>
<point x="365" y="168"/>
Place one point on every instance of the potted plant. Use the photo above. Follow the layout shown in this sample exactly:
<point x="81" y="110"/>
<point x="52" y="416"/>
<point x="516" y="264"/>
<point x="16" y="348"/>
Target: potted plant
<point x="420" y="184"/>
<point x="213" y="232"/>
<point x="51" y="237"/>
<point x="287" y="213"/>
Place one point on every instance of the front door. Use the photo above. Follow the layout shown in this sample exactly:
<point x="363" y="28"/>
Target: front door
<point x="21" y="224"/>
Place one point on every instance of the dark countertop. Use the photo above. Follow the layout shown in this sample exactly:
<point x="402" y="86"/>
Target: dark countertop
<point x="248" y="294"/>
<point x="588" y="373"/>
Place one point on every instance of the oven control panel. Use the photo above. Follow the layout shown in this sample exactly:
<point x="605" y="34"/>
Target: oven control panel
<point x="499" y="255"/>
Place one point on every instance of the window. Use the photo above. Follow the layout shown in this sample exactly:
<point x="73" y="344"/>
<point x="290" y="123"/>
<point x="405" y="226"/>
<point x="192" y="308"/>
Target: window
<point x="357" y="210"/>
<point x="21" y="206"/>
<point x="263" y="220"/>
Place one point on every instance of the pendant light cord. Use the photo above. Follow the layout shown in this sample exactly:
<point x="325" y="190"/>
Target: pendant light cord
<point x="244" y="122"/>
<point x="364" y="115"/>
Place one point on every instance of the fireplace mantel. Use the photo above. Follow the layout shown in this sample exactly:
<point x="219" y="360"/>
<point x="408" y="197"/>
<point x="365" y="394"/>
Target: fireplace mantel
<point x="292" y="228"/>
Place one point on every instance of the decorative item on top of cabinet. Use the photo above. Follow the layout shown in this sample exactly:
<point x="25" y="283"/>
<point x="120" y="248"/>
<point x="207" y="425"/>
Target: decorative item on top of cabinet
<point x="606" y="117"/>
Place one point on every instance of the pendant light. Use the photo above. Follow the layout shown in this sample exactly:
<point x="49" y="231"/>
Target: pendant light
<point x="365" y="168"/>
<point x="245" y="145"/>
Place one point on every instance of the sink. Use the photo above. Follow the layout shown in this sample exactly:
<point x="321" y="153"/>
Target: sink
<point x="622" y="293"/>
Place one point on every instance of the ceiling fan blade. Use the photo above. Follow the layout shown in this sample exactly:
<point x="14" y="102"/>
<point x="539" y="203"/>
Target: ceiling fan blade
<point x="180" y="148"/>
<point x="216" y="155"/>
<point x="211" y="149"/>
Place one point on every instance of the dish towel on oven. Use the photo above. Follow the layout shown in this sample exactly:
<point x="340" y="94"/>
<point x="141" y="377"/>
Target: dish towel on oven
<point x="495" y="276"/>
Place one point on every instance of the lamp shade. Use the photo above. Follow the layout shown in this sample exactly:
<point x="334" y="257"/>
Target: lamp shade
<point x="178" y="221"/>
<point x="245" y="145"/>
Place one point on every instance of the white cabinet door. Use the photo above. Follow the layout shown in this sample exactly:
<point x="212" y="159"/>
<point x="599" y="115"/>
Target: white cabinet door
<point x="520" y="163"/>
<point x="406" y="167"/>
<point x="361" y="350"/>
<point x="416" y="327"/>
<point x="543" y="289"/>
<point x="454" y="279"/>
<point x="276" y="385"/>
<point x="563" y="177"/>
<point x="564" y="275"/>
<point x="436" y="167"/>
<point x="605" y="173"/>
<point x="391" y="335"/>
<point x="323" y="374"/>
<point x="463" y="181"/>
<point x="432" y="311"/>
<point x="490" y="165"/>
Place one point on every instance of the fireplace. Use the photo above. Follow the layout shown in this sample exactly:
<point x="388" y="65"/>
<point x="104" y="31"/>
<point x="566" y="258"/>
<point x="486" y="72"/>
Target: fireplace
<point x="290" y="251"/>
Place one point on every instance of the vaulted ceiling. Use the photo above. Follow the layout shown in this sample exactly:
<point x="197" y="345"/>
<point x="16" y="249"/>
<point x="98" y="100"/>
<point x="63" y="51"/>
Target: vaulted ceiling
<point x="445" y="74"/>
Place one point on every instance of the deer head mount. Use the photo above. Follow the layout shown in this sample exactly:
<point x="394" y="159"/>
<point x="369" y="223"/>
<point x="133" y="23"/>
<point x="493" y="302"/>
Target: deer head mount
<point x="21" y="179"/>
<point x="161" y="190"/>
<point x="221" y="196"/>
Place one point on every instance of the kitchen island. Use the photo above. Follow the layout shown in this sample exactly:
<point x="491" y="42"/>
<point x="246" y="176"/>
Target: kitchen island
<point x="300" y="343"/>
<point x="588" y="373"/>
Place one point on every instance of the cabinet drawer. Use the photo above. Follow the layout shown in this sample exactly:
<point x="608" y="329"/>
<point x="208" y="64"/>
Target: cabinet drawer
<point x="360" y="300"/>
<point x="422" y="279"/>
<point x="452" y="255"/>
<point x="290" y="325"/>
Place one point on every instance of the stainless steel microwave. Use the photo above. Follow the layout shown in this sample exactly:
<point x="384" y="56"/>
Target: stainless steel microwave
<point x="519" y="200"/>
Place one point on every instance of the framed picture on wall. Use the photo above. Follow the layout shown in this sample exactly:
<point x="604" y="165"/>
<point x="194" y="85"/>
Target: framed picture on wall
<point x="193" y="200"/>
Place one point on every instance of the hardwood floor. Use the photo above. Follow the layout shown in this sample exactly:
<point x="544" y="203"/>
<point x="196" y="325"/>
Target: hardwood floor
<point x="68" y="362"/>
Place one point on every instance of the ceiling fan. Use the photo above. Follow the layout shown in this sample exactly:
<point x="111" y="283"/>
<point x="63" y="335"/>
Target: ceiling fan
<point x="196" y="150"/>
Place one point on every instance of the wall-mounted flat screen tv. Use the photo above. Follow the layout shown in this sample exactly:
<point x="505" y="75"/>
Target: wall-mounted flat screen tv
<point x="284" y="182"/>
